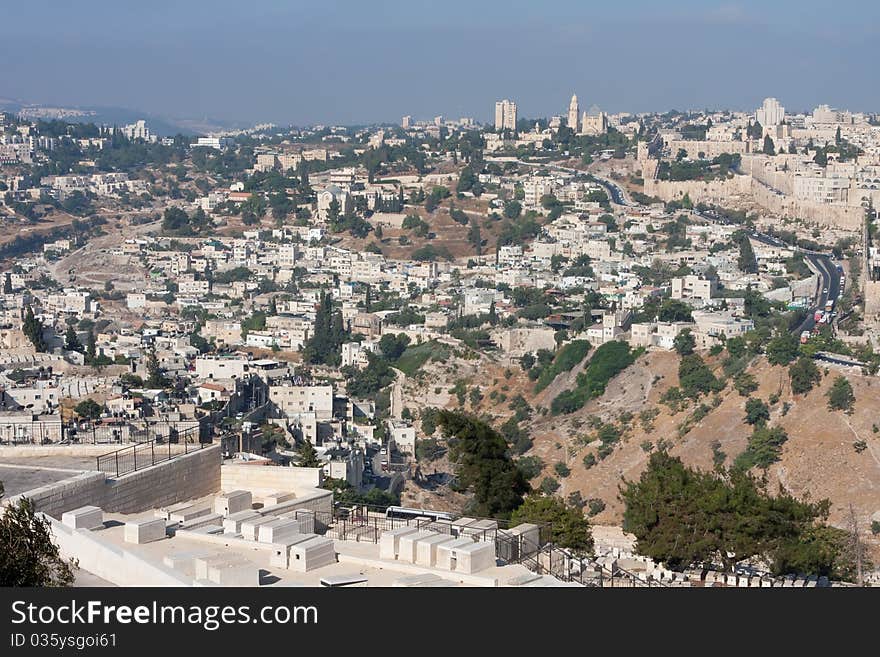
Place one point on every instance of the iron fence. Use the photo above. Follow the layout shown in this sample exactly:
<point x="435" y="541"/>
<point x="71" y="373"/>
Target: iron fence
<point x="145" y="454"/>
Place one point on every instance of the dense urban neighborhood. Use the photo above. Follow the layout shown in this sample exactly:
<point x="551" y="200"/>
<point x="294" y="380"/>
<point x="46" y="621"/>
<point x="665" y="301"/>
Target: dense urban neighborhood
<point x="526" y="352"/>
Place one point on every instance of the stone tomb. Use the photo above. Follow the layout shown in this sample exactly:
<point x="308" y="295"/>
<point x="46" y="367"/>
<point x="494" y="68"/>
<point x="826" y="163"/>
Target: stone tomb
<point x="426" y="549"/>
<point x="232" y="522"/>
<point x="389" y="542"/>
<point x="465" y="556"/>
<point x="144" y="530"/>
<point x="408" y="545"/>
<point x="312" y="554"/>
<point x="280" y="557"/>
<point x="85" y="517"/>
<point x="232" y="502"/>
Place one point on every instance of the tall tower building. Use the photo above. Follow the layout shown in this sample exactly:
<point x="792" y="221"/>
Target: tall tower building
<point x="573" y="112"/>
<point x="771" y="113"/>
<point x="406" y="122"/>
<point x="505" y="115"/>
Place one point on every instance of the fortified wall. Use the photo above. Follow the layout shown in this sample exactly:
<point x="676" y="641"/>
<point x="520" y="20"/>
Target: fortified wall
<point x="721" y="191"/>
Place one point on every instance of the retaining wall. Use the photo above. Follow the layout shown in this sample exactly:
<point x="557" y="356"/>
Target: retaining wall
<point x="183" y="478"/>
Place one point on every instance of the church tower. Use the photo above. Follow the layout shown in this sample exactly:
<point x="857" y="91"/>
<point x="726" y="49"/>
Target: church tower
<point x="573" y="113"/>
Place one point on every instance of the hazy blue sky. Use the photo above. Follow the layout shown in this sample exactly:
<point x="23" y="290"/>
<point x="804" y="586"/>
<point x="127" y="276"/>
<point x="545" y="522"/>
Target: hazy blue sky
<point x="373" y="60"/>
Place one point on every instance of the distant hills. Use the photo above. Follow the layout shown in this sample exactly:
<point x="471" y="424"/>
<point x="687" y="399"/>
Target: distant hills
<point x="162" y="126"/>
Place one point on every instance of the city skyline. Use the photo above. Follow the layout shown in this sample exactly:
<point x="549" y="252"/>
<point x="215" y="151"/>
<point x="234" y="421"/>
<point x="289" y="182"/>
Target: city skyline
<point x="238" y="64"/>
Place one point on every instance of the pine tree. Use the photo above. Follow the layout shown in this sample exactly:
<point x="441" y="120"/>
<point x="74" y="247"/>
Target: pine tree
<point x="308" y="456"/>
<point x="7" y="283"/>
<point x="91" y="349"/>
<point x="33" y="329"/>
<point x="71" y="340"/>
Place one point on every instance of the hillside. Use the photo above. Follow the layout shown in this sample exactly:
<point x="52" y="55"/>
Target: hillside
<point x="817" y="461"/>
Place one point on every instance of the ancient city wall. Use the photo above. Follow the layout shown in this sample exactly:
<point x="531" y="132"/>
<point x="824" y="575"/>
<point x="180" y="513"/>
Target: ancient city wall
<point x="821" y="214"/>
<point x="711" y="191"/>
<point x="721" y="191"/>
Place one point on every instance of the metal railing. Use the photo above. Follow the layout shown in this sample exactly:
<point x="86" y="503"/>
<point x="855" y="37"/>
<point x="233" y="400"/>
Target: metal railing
<point x="142" y="455"/>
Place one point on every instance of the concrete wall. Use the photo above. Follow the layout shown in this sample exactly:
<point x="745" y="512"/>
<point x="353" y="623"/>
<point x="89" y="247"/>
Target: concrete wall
<point x="265" y="479"/>
<point x="183" y="478"/>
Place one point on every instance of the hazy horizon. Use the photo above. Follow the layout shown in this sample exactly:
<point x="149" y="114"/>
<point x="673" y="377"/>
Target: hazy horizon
<point x="358" y="63"/>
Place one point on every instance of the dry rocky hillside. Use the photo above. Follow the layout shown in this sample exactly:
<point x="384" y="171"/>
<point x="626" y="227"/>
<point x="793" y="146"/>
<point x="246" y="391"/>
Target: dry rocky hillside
<point x="819" y="459"/>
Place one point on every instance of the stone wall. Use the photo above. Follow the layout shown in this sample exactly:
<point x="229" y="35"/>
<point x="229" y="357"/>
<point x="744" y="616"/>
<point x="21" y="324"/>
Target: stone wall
<point x="721" y="192"/>
<point x="265" y="479"/>
<point x="183" y="478"/>
<point x="186" y="477"/>
<point x="711" y="191"/>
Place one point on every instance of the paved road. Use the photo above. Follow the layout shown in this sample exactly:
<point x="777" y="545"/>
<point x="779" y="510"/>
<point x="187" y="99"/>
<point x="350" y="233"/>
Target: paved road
<point x="617" y="194"/>
<point x="822" y="263"/>
<point x="829" y="286"/>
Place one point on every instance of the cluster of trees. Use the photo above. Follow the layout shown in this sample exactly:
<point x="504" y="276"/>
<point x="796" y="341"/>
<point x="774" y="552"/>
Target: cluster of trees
<point x="176" y="221"/>
<point x="432" y="200"/>
<point x="500" y="486"/>
<point x="717" y="168"/>
<point x="684" y="517"/>
<point x="469" y="182"/>
<point x="564" y="360"/>
<point x="609" y="360"/>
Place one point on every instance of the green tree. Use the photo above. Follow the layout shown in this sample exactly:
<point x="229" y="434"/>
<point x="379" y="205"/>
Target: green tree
<point x="28" y="556"/>
<point x="804" y="375"/>
<point x="308" y="456"/>
<point x="71" y="340"/>
<point x="840" y="395"/>
<point x="782" y="349"/>
<point x="694" y="376"/>
<point x="685" y="517"/>
<point x="91" y="349"/>
<point x="568" y="527"/>
<point x="155" y="377"/>
<point x="393" y="346"/>
<point x="757" y="412"/>
<point x="7" y="283"/>
<point x="482" y="465"/>
<point x="89" y="409"/>
<point x="673" y="310"/>
<point x="33" y="329"/>
<point x="747" y="261"/>
<point x="685" y="343"/>
<point x="768" y="146"/>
